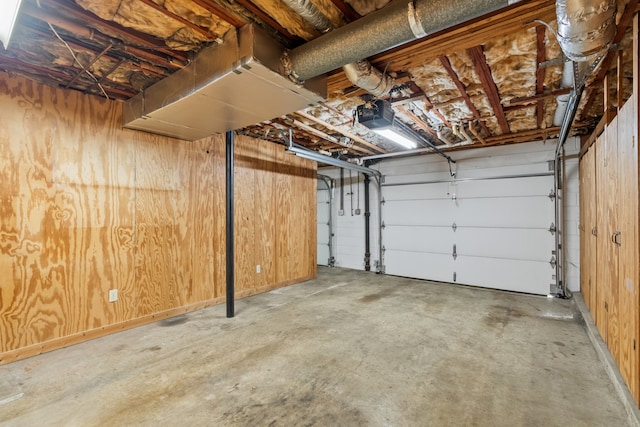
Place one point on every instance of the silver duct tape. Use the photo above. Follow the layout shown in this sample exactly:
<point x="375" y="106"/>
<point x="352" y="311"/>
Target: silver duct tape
<point x="414" y="21"/>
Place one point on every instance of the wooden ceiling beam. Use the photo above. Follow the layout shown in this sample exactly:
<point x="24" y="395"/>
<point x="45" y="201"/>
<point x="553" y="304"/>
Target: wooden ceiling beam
<point x="71" y="27"/>
<point x="463" y="91"/>
<point x="506" y="21"/>
<point x="261" y="14"/>
<point x="205" y="32"/>
<point x="333" y="140"/>
<point x="625" y="20"/>
<point x="535" y="98"/>
<point x="346" y="10"/>
<point x="541" y="56"/>
<point x="489" y="85"/>
<point x="74" y="11"/>
<point x="417" y="120"/>
<point x="341" y="131"/>
<point x="220" y="12"/>
<point x="86" y="67"/>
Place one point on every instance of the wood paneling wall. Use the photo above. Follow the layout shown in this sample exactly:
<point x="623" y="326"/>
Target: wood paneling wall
<point x="610" y="260"/>
<point x="86" y="206"/>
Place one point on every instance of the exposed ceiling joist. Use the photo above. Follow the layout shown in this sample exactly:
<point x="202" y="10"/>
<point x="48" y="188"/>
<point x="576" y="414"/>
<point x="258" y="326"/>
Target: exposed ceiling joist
<point x="463" y="91"/>
<point x="341" y="131"/>
<point x="205" y="32"/>
<point x="541" y="56"/>
<point x="482" y="69"/>
<point x="247" y="4"/>
<point x="346" y="9"/>
<point x="221" y="12"/>
<point x="136" y="37"/>
<point x="535" y="98"/>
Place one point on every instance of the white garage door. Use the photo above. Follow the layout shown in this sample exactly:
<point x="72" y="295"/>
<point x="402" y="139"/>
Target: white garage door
<point x="324" y="223"/>
<point x="491" y="232"/>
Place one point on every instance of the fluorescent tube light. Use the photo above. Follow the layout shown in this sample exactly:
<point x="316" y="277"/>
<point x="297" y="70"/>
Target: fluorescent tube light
<point x="396" y="137"/>
<point x="8" y="19"/>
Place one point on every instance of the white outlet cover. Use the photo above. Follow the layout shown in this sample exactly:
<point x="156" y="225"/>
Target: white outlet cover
<point x="258" y="268"/>
<point x="113" y="295"/>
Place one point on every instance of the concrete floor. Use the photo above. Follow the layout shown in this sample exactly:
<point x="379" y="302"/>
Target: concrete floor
<point x="348" y="349"/>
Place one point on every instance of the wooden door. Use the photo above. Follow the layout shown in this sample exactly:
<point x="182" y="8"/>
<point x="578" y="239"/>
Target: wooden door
<point x="601" y="239"/>
<point x="592" y="231"/>
<point x="588" y="261"/>
<point x="628" y="247"/>
<point x="611" y="164"/>
<point x="584" y="201"/>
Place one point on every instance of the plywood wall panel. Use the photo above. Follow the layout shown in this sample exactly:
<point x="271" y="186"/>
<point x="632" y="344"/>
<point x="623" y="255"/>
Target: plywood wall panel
<point x="265" y="209"/>
<point x="612" y="186"/>
<point x="585" y="199"/>
<point x="86" y="207"/>
<point x="592" y="222"/>
<point x="203" y="222"/>
<point x="218" y="216"/>
<point x="244" y="176"/>
<point x="285" y="234"/>
<point x="628" y="251"/>
<point x="603" y="232"/>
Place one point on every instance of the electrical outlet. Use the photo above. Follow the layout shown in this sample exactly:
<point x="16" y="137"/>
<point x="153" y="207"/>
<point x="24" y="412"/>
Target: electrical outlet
<point x="258" y="268"/>
<point x="341" y="212"/>
<point x="113" y="295"/>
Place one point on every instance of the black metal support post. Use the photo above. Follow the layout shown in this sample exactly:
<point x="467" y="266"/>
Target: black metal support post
<point x="230" y="231"/>
<point x="367" y="214"/>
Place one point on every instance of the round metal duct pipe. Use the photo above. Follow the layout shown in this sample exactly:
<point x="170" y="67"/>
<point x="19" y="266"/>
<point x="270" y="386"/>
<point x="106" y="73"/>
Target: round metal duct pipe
<point x="397" y="23"/>
<point x="585" y="28"/>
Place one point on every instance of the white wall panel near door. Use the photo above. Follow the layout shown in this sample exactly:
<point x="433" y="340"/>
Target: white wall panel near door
<point x="487" y="227"/>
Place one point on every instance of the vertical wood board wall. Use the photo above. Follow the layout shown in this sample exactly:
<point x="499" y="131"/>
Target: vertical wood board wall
<point x="86" y="206"/>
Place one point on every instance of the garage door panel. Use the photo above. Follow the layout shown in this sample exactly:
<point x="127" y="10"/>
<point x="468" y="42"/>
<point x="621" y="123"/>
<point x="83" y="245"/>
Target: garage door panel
<point x="419" y="239"/>
<point x="520" y="212"/>
<point x="534" y="186"/>
<point x="520" y="276"/>
<point x="419" y="212"/>
<point x="420" y="266"/>
<point x="419" y="191"/>
<point x="501" y="235"/>
<point x="510" y="243"/>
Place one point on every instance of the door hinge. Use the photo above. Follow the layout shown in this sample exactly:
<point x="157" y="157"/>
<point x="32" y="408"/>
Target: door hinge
<point x="455" y="253"/>
<point x="454" y="226"/>
<point x="552" y="195"/>
<point x="455" y="276"/>
<point x="553" y="261"/>
<point x="383" y="225"/>
<point x="552" y="229"/>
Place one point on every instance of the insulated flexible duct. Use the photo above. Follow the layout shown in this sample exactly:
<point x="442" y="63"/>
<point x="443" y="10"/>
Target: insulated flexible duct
<point x="397" y="23"/>
<point x="586" y="28"/>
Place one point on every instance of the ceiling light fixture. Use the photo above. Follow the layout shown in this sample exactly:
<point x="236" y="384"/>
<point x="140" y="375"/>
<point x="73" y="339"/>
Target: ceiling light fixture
<point x="379" y="116"/>
<point x="8" y="19"/>
<point x="393" y="135"/>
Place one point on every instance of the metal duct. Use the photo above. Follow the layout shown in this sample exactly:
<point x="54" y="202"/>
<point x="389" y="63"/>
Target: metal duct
<point x="399" y="22"/>
<point x="361" y="73"/>
<point x="227" y="86"/>
<point x="585" y="28"/>
<point x="563" y="100"/>
<point x="310" y="13"/>
<point x="369" y="78"/>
